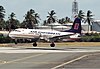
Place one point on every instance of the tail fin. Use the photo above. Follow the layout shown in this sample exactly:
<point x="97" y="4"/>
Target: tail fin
<point x="76" y="27"/>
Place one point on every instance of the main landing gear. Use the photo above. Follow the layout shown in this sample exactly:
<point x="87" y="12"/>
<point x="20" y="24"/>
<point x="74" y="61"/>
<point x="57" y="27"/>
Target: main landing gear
<point x="35" y="44"/>
<point x="52" y="44"/>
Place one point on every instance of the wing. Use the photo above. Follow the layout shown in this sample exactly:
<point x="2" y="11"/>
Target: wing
<point x="59" y="38"/>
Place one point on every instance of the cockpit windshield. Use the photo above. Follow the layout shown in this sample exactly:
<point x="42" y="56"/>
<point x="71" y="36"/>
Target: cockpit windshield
<point x="17" y="30"/>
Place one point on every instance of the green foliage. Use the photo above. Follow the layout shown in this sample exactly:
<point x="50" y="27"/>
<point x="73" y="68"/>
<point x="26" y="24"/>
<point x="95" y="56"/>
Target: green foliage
<point x="5" y="39"/>
<point x="31" y="19"/>
<point x="91" y="38"/>
<point x="2" y="15"/>
<point x="2" y="11"/>
<point x="81" y="14"/>
<point x="64" y="20"/>
<point x="51" y="17"/>
<point x="12" y="23"/>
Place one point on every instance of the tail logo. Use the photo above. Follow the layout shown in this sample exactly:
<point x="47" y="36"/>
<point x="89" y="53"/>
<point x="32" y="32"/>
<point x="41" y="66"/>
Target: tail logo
<point x="76" y="26"/>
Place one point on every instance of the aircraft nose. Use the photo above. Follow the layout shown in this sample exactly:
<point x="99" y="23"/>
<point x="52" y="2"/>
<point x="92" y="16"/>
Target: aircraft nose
<point x="11" y="34"/>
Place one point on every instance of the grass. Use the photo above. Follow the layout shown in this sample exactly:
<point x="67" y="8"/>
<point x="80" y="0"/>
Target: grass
<point x="72" y="44"/>
<point x="80" y="44"/>
<point x="40" y="44"/>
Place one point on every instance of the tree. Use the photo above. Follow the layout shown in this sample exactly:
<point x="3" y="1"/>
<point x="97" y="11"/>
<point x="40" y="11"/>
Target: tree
<point x="2" y="15"/>
<point x="81" y="14"/>
<point x="51" y="17"/>
<point x="44" y="22"/>
<point x="31" y="19"/>
<point x="64" y="20"/>
<point x="67" y="19"/>
<point x="12" y="23"/>
<point x="2" y="11"/>
<point x="89" y="19"/>
<point x="23" y="24"/>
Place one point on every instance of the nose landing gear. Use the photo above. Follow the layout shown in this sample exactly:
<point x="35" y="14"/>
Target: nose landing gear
<point x="15" y="41"/>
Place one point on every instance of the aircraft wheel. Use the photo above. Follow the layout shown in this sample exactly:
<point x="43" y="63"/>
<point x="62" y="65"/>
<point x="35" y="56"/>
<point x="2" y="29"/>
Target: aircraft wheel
<point x="34" y="44"/>
<point x="52" y="44"/>
<point x="15" y="41"/>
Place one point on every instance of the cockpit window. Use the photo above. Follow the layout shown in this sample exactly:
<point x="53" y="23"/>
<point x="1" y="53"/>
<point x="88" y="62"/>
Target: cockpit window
<point x="17" y="30"/>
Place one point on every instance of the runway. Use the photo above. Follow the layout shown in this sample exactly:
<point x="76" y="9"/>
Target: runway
<point x="50" y="58"/>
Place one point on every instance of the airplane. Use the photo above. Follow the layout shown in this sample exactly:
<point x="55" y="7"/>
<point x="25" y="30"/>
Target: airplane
<point x="50" y="35"/>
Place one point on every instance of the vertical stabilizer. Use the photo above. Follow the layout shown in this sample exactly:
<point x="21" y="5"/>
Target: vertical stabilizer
<point x="76" y="27"/>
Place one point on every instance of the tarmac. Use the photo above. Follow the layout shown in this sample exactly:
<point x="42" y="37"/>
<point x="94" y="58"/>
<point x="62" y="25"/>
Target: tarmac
<point x="63" y="56"/>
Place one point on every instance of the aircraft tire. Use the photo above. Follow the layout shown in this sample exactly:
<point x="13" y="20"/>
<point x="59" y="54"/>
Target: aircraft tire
<point x="34" y="44"/>
<point x="15" y="41"/>
<point x="52" y="44"/>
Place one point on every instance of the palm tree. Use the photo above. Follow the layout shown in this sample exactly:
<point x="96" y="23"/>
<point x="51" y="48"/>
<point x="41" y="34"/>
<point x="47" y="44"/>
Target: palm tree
<point x="81" y="14"/>
<point x="12" y="23"/>
<point x="44" y="22"/>
<point x="36" y="21"/>
<point x="67" y="19"/>
<point x="62" y="21"/>
<point x="51" y="17"/>
<point x="31" y="19"/>
<point x="2" y="15"/>
<point x="2" y="11"/>
<point x="23" y="24"/>
<point x="89" y="19"/>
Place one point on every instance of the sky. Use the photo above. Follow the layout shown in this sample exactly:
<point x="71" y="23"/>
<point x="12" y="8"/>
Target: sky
<point x="62" y="8"/>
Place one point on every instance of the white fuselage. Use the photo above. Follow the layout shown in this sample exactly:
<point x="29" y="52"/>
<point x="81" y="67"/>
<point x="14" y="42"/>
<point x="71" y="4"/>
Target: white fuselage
<point x="36" y="33"/>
